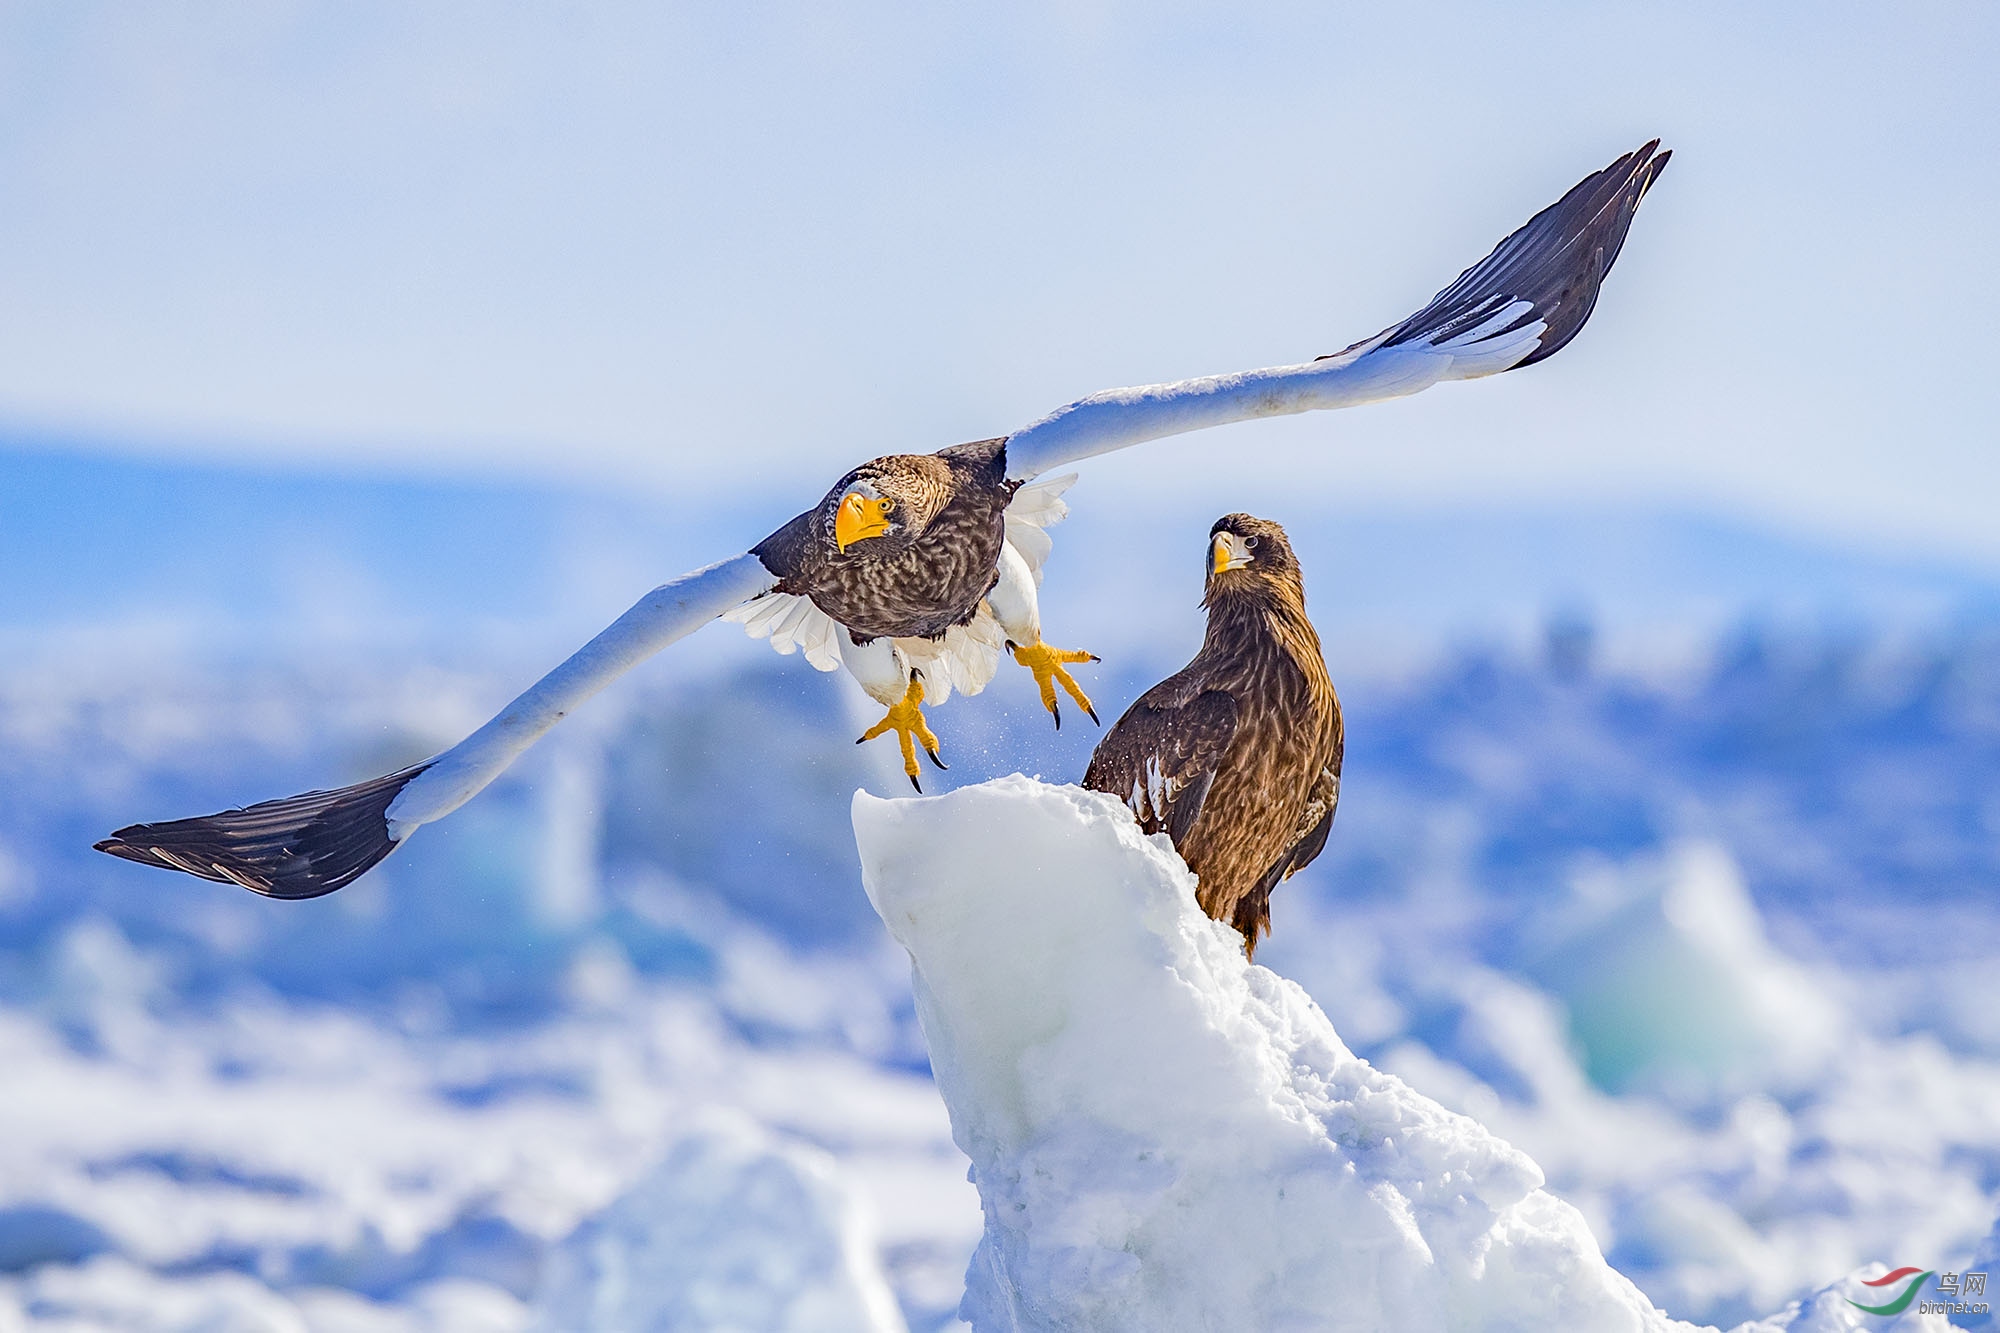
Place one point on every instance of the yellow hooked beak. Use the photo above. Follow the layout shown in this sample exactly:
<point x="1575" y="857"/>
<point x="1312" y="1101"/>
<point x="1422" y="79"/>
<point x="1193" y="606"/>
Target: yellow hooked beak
<point x="858" y="519"/>
<point x="1228" y="552"/>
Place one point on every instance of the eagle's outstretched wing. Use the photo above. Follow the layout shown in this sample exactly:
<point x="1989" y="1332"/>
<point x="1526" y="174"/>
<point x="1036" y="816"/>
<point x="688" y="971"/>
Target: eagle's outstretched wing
<point x="1519" y="305"/>
<point x="1160" y="758"/>
<point x="304" y="846"/>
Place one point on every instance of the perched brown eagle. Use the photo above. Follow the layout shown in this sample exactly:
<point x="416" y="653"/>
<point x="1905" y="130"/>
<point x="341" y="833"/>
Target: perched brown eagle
<point x="917" y="571"/>
<point x="1236" y="756"/>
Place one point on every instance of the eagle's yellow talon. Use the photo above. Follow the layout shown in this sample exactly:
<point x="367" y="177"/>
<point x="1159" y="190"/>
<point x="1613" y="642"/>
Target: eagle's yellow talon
<point x="906" y="719"/>
<point x="1049" y="666"/>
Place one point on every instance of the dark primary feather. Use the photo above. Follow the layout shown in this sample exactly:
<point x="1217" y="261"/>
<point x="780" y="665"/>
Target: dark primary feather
<point x="1556" y="261"/>
<point x="297" y="847"/>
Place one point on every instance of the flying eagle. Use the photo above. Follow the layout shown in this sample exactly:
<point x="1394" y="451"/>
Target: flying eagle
<point x="1236" y="756"/>
<point x="916" y="572"/>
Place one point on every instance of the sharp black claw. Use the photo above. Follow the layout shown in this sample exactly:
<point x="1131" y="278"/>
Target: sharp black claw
<point x="943" y="767"/>
<point x="918" y="785"/>
<point x="1095" y="658"/>
<point x="1010" y="647"/>
<point x="1093" y="714"/>
<point x="1058" y="715"/>
<point x="860" y="740"/>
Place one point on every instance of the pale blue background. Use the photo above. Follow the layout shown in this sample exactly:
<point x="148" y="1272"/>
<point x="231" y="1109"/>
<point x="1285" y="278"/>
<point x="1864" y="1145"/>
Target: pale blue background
<point x="703" y="249"/>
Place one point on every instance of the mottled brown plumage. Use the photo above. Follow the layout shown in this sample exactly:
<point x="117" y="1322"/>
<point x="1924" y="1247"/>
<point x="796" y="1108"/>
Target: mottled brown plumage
<point x="1237" y="755"/>
<point x="924" y="575"/>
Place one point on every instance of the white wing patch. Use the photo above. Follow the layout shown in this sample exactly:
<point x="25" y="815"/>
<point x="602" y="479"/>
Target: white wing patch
<point x="1484" y="350"/>
<point x="1037" y="506"/>
<point x="968" y="655"/>
<point x="1152" y="793"/>
<point x="792" y="623"/>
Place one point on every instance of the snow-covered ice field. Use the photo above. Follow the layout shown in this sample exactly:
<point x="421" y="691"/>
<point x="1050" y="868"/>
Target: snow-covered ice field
<point x="1708" y="942"/>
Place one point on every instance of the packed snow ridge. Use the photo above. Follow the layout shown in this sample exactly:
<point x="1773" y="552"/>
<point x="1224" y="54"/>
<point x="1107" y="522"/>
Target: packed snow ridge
<point x="732" y="1230"/>
<point x="1165" y="1136"/>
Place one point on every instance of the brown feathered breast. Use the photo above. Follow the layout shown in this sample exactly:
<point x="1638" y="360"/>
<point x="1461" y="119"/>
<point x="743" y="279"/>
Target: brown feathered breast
<point x="1237" y="756"/>
<point x="930" y="571"/>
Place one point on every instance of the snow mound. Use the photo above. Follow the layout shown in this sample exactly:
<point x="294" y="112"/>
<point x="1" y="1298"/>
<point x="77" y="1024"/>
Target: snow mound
<point x="1834" y="1309"/>
<point x="1670" y="981"/>
<point x="109" y="1294"/>
<point x="1167" y="1137"/>
<point x="732" y="1230"/>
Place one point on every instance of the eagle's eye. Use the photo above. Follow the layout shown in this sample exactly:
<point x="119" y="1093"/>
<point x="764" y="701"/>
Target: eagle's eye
<point x="1250" y="542"/>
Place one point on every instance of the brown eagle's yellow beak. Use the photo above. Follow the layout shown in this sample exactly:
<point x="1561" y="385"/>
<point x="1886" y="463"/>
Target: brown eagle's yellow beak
<point x="1228" y="551"/>
<point x="859" y="518"/>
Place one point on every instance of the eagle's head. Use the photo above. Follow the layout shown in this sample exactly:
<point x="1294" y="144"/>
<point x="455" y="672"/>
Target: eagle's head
<point x="884" y="505"/>
<point x="1249" y="555"/>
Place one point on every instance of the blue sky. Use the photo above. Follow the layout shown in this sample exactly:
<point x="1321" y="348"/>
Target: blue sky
<point x="707" y="251"/>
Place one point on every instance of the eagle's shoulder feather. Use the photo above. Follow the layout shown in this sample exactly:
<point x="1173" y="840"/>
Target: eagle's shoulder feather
<point x="1160" y="758"/>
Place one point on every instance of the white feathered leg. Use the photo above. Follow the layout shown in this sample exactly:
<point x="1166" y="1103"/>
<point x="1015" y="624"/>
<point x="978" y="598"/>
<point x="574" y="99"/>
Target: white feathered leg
<point x="880" y="668"/>
<point x="1014" y="600"/>
<point x="1016" y="606"/>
